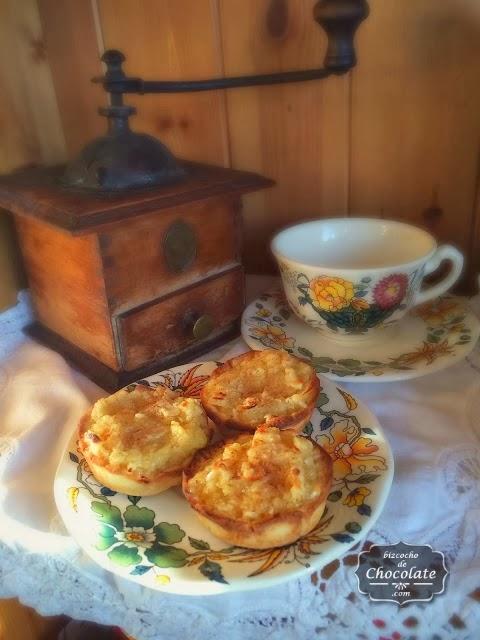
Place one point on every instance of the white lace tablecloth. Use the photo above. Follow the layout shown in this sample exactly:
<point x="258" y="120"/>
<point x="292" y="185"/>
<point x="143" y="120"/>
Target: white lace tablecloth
<point x="433" y="425"/>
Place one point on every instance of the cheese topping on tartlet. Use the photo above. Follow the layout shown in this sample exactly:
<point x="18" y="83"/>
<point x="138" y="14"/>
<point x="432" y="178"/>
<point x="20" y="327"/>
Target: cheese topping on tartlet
<point x="258" y="476"/>
<point x="261" y="387"/>
<point x="144" y="431"/>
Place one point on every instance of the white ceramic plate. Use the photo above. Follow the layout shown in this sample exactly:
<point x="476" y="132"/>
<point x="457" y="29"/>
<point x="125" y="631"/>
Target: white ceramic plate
<point x="430" y="338"/>
<point x="159" y="543"/>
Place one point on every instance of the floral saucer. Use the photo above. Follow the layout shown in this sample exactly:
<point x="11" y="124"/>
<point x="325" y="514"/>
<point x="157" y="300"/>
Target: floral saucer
<point x="159" y="543"/>
<point x="430" y="338"/>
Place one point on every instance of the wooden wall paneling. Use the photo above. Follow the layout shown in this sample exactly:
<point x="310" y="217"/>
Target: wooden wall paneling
<point x="172" y="39"/>
<point x="296" y="134"/>
<point x="473" y="279"/>
<point x="30" y="128"/>
<point x="73" y="49"/>
<point x="415" y="115"/>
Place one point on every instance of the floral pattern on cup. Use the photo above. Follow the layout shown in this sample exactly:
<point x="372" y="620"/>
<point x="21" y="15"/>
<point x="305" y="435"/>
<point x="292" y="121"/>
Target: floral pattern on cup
<point x="331" y="294"/>
<point x="390" y="291"/>
<point x="351" y="307"/>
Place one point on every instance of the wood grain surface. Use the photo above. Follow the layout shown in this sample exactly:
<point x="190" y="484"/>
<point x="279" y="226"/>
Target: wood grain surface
<point x="397" y="137"/>
<point x="296" y="134"/>
<point x="174" y="39"/>
<point x="30" y="127"/>
<point x="35" y="193"/>
<point x="415" y="108"/>
<point x="73" y="50"/>
<point x="66" y="279"/>
<point x="117" y="281"/>
<point x="134" y="259"/>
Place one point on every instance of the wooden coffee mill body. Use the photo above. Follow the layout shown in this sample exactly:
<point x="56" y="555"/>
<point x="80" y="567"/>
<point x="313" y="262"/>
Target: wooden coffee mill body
<point x="126" y="286"/>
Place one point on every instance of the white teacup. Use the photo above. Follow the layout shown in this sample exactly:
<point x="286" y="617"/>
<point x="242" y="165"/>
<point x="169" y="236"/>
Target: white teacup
<point x="350" y="277"/>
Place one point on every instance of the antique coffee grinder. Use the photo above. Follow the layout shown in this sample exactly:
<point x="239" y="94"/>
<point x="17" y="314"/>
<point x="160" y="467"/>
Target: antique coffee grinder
<point x="133" y="256"/>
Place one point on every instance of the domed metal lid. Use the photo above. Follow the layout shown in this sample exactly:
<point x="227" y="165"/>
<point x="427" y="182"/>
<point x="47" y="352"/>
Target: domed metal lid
<point x="122" y="159"/>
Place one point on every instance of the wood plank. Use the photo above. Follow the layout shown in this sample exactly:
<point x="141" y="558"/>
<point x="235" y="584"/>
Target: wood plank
<point x="73" y="53"/>
<point x="473" y="276"/>
<point x="66" y="280"/>
<point x="30" y="127"/>
<point x="18" y="622"/>
<point x="415" y="106"/>
<point x="296" y="134"/>
<point x="172" y="39"/>
<point x="35" y="193"/>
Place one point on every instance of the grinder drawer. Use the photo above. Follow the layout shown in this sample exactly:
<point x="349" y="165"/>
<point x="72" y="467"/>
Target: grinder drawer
<point x="194" y="315"/>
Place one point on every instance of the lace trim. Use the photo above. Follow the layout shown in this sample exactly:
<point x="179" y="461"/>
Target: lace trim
<point x="305" y="608"/>
<point x="12" y="321"/>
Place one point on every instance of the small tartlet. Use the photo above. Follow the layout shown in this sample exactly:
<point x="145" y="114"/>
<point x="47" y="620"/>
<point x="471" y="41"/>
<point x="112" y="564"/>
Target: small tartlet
<point x="259" y="490"/>
<point x="268" y="387"/>
<point x="138" y="441"/>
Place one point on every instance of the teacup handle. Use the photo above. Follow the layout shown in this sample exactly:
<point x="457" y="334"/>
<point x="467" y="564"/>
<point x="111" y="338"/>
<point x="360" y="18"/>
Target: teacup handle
<point x="445" y="252"/>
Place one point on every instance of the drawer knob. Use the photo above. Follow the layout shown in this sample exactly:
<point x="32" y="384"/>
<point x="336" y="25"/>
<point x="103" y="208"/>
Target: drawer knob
<point x="203" y="327"/>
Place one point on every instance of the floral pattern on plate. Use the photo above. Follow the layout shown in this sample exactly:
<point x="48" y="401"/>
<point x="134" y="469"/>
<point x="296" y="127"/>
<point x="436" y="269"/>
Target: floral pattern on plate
<point x="158" y="542"/>
<point x="447" y="328"/>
